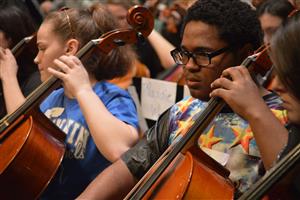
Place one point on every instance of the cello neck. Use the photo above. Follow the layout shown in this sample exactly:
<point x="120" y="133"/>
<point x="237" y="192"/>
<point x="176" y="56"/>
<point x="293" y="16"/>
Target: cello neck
<point x="40" y="92"/>
<point x="275" y="174"/>
<point x="138" y="17"/>
<point x="17" y="49"/>
<point x="214" y="106"/>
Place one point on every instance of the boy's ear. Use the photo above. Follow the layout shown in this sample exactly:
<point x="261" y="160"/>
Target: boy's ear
<point x="72" y="47"/>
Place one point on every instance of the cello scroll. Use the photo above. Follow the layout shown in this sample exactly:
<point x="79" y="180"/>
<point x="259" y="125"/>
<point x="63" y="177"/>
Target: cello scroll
<point x="142" y="23"/>
<point x="33" y="146"/>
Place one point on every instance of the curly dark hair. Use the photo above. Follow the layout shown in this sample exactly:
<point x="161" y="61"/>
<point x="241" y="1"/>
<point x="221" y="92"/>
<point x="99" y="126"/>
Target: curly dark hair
<point x="236" y="21"/>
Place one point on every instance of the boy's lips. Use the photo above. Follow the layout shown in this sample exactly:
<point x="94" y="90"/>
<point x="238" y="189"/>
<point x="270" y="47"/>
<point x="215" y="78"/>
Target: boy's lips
<point x="192" y="83"/>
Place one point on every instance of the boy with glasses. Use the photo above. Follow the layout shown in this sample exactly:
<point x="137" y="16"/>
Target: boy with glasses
<point x="201" y="58"/>
<point x="217" y="34"/>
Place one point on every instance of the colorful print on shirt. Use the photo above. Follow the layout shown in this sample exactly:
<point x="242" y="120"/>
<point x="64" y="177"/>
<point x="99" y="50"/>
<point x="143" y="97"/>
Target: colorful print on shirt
<point x="228" y="138"/>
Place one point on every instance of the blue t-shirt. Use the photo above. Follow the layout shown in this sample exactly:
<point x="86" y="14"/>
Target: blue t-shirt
<point x="82" y="161"/>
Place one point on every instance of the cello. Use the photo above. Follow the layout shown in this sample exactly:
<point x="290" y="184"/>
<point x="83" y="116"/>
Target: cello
<point x="273" y="183"/>
<point x="277" y="183"/>
<point x="24" y="49"/>
<point x="184" y="171"/>
<point x="32" y="147"/>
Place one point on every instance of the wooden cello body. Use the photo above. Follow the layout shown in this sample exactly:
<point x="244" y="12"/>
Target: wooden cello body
<point x="190" y="173"/>
<point x="24" y="169"/>
<point x="30" y="153"/>
<point x="32" y="147"/>
<point x="184" y="171"/>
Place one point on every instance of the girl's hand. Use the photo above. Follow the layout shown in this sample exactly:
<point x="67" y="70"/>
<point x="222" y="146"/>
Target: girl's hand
<point x="8" y="65"/>
<point x="240" y="93"/>
<point x="73" y="74"/>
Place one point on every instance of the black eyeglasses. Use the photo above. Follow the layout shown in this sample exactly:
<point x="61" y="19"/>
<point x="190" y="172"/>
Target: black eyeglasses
<point x="200" y="58"/>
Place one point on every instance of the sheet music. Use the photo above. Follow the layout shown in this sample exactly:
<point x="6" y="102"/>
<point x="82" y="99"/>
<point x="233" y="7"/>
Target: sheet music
<point x="156" y="97"/>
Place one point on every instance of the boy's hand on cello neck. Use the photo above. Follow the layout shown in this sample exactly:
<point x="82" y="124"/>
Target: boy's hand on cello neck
<point x="240" y="92"/>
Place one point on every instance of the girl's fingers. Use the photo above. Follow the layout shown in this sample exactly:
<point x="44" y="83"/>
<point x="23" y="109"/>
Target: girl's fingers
<point x="71" y="61"/>
<point x="61" y="66"/>
<point x="57" y="74"/>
